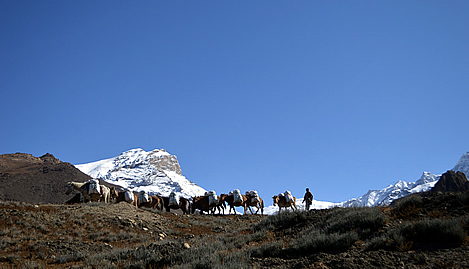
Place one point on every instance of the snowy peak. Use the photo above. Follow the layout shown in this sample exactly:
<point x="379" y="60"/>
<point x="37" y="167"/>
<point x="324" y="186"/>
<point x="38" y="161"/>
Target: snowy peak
<point x="463" y="164"/>
<point x="157" y="172"/>
<point x="427" y="177"/>
<point x="159" y="159"/>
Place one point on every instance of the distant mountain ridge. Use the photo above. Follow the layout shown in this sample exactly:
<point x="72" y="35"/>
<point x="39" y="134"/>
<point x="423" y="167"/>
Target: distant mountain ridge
<point x="393" y="192"/>
<point x="156" y="172"/>
<point x="401" y="188"/>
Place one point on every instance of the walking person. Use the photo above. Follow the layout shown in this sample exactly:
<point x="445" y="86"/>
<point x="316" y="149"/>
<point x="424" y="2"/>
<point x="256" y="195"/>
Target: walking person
<point x="308" y="199"/>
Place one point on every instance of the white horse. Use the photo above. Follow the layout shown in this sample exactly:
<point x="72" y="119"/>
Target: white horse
<point x="83" y="188"/>
<point x="106" y="194"/>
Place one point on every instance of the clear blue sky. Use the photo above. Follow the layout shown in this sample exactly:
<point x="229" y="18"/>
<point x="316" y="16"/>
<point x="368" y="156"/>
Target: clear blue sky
<point x="337" y="96"/>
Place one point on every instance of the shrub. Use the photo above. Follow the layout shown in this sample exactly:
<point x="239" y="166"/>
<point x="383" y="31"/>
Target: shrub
<point x="318" y="241"/>
<point x="407" y="206"/>
<point x="61" y="259"/>
<point x="438" y="231"/>
<point x="364" y="221"/>
<point x="215" y="253"/>
<point x="389" y="241"/>
<point x="429" y="231"/>
<point x="283" y="219"/>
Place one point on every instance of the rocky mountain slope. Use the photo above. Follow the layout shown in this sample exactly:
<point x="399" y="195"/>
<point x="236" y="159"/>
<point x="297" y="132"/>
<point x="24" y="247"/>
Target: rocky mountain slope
<point x="26" y="178"/>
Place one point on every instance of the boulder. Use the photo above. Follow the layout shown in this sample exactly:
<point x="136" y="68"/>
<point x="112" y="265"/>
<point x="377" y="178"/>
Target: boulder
<point x="451" y="182"/>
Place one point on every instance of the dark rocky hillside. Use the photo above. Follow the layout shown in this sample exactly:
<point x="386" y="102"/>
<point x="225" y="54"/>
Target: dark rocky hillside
<point x="30" y="179"/>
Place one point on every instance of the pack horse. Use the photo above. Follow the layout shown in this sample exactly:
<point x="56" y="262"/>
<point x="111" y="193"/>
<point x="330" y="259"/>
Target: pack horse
<point x="90" y="190"/>
<point x="286" y="200"/>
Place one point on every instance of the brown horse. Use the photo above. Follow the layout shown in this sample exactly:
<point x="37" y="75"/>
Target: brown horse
<point x="202" y="203"/>
<point x="252" y="202"/>
<point x="155" y="202"/>
<point x="183" y="205"/>
<point x="120" y="196"/>
<point x="281" y="201"/>
<point x="229" y="199"/>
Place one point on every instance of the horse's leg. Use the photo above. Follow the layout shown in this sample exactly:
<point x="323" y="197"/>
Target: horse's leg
<point x="257" y="211"/>
<point x="184" y="207"/>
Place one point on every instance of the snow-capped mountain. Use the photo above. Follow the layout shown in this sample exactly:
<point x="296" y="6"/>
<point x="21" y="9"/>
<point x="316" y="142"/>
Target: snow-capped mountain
<point x="394" y="191"/>
<point x="401" y="188"/>
<point x="156" y="172"/>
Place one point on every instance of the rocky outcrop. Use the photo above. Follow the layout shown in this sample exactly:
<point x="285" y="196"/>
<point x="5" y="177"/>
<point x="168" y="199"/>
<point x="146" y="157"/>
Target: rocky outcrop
<point x="451" y="182"/>
<point x="30" y="179"/>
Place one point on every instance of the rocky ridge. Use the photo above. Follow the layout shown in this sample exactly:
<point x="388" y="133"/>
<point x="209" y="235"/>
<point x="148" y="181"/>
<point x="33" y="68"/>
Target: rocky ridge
<point x="26" y="178"/>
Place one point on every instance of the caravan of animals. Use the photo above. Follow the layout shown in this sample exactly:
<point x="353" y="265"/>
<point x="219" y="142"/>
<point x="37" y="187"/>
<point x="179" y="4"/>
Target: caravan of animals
<point x="92" y="191"/>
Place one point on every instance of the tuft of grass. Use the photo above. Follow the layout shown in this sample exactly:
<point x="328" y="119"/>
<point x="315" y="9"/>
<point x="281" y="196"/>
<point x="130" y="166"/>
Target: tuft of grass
<point x="283" y="219"/>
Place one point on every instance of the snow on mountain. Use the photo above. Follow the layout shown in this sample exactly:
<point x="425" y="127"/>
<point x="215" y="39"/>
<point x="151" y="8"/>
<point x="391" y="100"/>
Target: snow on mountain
<point x="394" y="191"/>
<point x="401" y="188"/>
<point x="463" y="164"/>
<point x="156" y="172"/>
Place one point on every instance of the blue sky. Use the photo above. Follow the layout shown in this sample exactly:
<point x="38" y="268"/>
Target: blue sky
<point x="337" y="96"/>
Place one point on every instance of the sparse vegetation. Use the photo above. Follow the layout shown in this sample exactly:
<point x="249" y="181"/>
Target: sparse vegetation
<point x="120" y="236"/>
